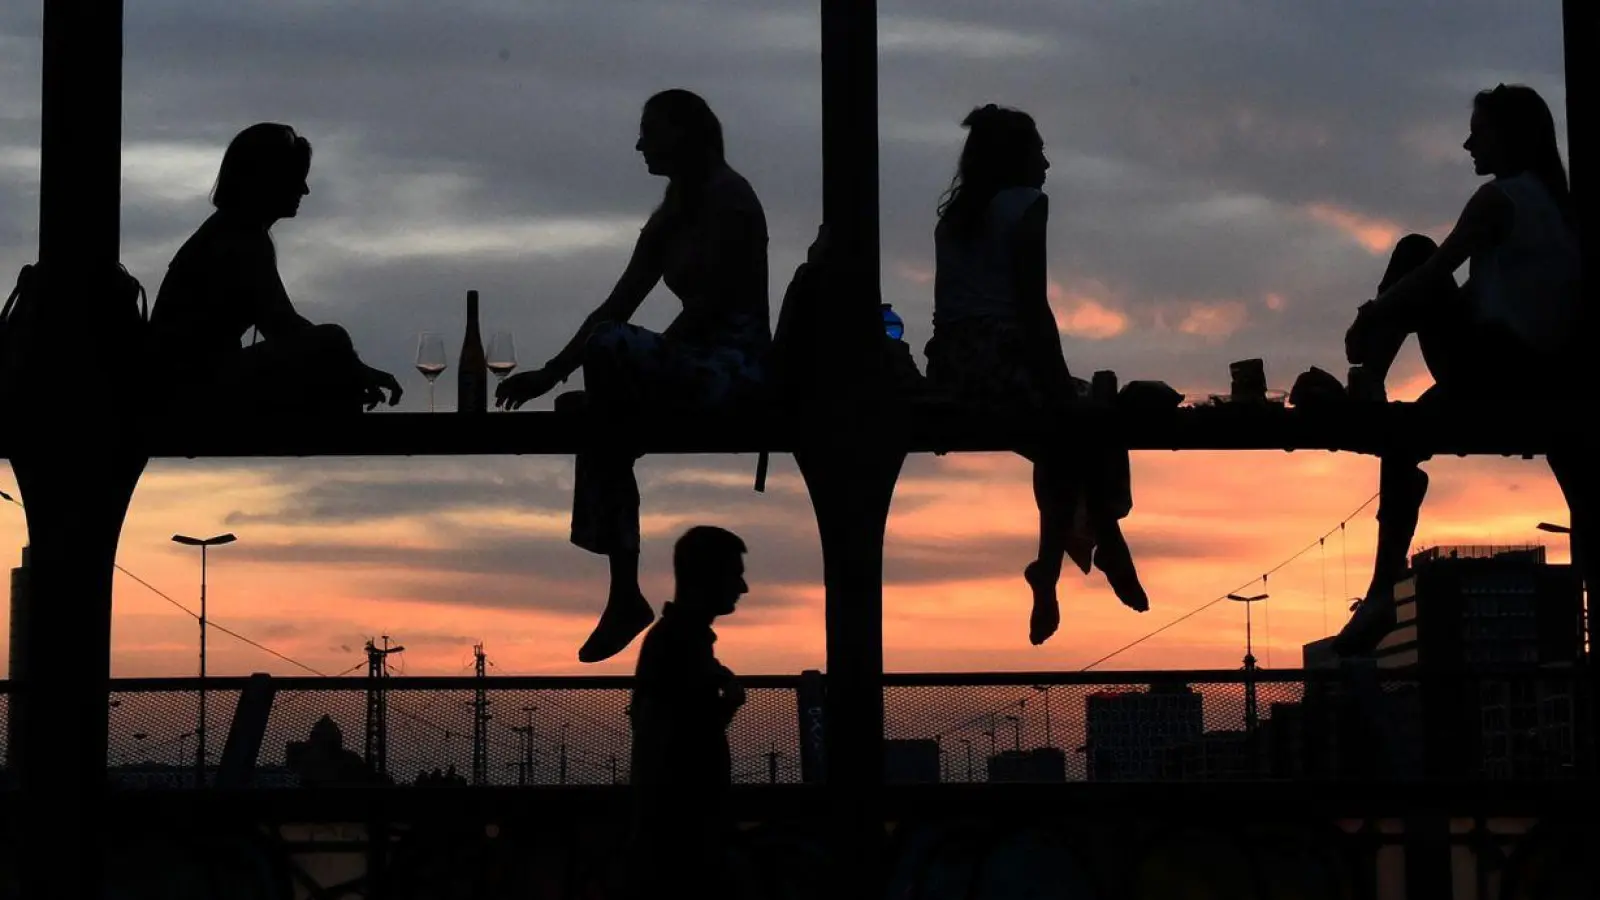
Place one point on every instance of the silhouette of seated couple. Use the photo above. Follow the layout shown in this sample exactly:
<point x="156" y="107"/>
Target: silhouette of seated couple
<point x="995" y="344"/>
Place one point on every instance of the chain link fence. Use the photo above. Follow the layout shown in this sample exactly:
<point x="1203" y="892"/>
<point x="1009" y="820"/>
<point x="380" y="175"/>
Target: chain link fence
<point x="1130" y="727"/>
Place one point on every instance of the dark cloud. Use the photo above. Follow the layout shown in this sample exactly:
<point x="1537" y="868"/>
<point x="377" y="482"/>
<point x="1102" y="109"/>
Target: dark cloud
<point x="493" y="567"/>
<point x="488" y="145"/>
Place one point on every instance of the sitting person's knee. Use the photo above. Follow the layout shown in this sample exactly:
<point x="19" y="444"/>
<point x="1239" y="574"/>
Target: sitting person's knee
<point x="606" y="337"/>
<point x="329" y="340"/>
<point x="1413" y="250"/>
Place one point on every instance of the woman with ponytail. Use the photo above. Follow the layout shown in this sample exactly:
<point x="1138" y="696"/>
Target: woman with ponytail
<point x="996" y="347"/>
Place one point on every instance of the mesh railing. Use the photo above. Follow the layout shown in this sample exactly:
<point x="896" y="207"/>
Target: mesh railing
<point x="1197" y="726"/>
<point x="1118" y="727"/>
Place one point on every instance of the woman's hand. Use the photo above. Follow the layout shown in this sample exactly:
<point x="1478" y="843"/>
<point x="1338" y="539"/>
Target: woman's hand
<point x="523" y="387"/>
<point x="375" y="384"/>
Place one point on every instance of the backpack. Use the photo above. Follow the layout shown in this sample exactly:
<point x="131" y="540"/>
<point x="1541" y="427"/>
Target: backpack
<point x="19" y="320"/>
<point x="799" y="367"/>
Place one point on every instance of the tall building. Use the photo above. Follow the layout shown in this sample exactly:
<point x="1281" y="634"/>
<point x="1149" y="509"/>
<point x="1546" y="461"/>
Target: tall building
<point x="19" y="617"/>
<point x="20" y="607"/>
<point x="1127" y="733"/>
<point x="1467" y="613"/>
<point x="1467" y="607"/>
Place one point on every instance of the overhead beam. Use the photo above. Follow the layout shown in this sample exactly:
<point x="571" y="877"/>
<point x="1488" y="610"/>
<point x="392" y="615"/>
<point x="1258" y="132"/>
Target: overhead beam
<point x="1361" y="429"/>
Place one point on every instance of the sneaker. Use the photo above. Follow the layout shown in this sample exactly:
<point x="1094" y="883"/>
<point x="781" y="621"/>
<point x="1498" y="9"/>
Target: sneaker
<point x="621" y="622"/>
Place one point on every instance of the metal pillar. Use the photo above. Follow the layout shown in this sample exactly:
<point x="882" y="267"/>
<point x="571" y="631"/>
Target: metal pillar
<point x="852" y="461"/>
<point x="77" y="478"/>
<point x="1581" y="34"/>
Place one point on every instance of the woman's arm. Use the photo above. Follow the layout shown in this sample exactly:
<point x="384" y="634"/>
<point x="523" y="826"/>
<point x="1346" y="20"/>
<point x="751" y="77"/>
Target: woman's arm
<point x="638" y="280"/>
<point x="271" y="310"/>
<point x="1029" y="262"/>
<point x="1482" y="225"/>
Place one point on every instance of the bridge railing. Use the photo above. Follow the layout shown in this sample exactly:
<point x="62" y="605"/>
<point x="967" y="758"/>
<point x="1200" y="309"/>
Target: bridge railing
<point x="1124" y="727"/>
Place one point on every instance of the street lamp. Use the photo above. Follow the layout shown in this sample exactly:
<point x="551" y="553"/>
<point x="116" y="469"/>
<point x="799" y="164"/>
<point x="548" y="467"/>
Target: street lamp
<point x="1251" y="718"/>
<point x="1049" y="736"/>
<point x="204" y="544"/>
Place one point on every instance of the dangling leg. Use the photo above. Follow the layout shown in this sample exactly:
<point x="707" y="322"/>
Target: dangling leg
<point x="1112" y="556"/>
<point x="1043" y="573"/>
<point x="1060" y="501"/>
<point x="605" y="497"/>
<point x="1402" y="485"/>
<point x="1374" y="341"/>
<point x="1111" y="499"/>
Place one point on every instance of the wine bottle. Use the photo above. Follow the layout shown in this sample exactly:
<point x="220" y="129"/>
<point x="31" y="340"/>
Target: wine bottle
<point x="472" y="376"/>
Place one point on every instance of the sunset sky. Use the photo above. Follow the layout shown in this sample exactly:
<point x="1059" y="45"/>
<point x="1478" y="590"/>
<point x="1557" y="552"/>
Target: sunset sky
<point x="1227" y="179"/>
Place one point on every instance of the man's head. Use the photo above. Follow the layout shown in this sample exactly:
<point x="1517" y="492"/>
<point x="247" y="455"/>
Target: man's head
<point x="709" y="565"/>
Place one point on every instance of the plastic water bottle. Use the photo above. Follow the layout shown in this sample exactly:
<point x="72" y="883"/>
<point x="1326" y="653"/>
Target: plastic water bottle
<point x="893" y="325"/>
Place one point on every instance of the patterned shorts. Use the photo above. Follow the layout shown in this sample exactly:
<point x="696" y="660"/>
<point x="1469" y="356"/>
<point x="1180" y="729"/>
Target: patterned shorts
<point x="631" y="367"/>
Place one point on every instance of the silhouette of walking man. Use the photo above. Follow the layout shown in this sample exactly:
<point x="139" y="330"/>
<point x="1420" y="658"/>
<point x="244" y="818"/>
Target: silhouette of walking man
<point x="683" y="702"/>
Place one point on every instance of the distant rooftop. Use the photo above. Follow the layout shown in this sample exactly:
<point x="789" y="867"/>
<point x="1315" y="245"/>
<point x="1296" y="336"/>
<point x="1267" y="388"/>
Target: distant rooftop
<point x="1533" y="553"/>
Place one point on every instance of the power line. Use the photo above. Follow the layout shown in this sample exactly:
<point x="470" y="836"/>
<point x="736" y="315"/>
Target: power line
<point x="212" y="623"/>
<point x="982" y="717"/>
<point x="196" y="616"/>
<point x="1262" y="577"/>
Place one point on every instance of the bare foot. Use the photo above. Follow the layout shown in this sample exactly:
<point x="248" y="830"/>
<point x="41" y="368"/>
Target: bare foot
<point x="1046" y="617"/>
<point x="624" y="619"/>
<point x="1113" y="558"/>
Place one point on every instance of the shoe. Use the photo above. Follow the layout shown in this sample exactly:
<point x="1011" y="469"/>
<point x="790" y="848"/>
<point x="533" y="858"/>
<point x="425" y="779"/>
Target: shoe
<point x="618" y="626"/>
<point x="1373" y="619"/>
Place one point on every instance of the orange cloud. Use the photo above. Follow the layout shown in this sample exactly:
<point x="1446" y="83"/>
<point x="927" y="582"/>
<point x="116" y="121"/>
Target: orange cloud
<point x="916" y="273"/>
<point x="1274" y="302"/>
<point x="1082" y="314"/>
<point x="1377" y="236"/>
<point x="1213" y="320"/>
<point x="960" y="533"/>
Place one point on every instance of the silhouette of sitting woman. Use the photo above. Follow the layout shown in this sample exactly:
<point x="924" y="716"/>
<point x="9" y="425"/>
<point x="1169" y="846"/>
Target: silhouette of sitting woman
<point x="224" y="281"/>
<point x="1487" y="342"/>
<point x="708" y="242"/>
<point x="996" y="347"/>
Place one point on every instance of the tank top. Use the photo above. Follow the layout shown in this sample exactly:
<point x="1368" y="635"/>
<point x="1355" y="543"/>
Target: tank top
<point x="715" y="262"/>
<point x="973" y="277"/>
<point x="1529" y="282"/>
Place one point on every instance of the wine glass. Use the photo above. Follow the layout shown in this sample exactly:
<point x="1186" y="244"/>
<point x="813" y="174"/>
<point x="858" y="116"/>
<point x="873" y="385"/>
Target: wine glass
<point x="431" y="361"/>
<point x="502" y="356"/>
